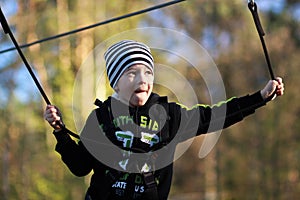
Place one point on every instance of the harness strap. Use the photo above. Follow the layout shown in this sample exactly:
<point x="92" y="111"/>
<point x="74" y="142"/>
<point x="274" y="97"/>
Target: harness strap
<point x="101" y="114"/>
<point x="151" y="192"/>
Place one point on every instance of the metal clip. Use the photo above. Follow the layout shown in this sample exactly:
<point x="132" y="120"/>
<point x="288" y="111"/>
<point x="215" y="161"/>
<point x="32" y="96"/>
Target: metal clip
<point x="252" y="2"/>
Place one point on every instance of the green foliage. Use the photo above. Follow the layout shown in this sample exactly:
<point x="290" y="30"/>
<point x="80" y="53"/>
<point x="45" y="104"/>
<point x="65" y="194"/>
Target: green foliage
<point x="256" y="159"/>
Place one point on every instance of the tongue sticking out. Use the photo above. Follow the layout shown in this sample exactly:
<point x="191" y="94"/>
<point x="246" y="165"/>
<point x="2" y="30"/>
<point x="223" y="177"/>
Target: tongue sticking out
<point x="140" y="91"/>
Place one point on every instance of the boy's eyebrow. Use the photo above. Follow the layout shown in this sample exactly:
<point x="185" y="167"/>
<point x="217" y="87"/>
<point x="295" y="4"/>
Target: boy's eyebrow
<point x="130" y="68"/>
<point x="134" y="67"/>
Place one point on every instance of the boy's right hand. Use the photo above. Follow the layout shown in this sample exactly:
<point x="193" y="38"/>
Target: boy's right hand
<point x="54" y="117"/>
<point x="272" y="89"/>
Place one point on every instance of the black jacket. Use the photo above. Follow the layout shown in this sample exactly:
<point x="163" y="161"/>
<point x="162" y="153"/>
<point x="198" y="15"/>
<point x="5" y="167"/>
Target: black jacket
<point x="132" y="139"/>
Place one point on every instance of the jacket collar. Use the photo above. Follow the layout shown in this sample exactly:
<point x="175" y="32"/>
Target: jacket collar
<point x="153" y="99"/>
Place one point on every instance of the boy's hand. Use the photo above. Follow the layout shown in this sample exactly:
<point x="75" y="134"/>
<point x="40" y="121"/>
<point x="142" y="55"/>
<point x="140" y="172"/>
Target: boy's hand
<point x="54" y="117"/>
<point x="272" y="89"/>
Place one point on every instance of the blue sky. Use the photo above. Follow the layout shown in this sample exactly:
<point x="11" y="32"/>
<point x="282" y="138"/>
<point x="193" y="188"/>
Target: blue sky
<point x="25" y="88"/>
<point x="9" y="7"/>
<point x="275" y="5"/>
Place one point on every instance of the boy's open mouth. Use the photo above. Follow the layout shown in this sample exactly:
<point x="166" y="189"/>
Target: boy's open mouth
<point x="140" y="91"/>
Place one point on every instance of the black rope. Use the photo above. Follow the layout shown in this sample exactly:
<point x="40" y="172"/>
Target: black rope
<point x="95" y="25"/>
<point x="8" y="31"/>
<point x="253" y="8"/>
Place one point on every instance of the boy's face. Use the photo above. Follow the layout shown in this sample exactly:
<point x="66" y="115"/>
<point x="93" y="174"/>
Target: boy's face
<point x="135" y="85"/>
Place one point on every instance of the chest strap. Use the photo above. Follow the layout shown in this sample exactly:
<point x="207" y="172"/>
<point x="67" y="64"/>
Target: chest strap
<point x="103" y="116"/>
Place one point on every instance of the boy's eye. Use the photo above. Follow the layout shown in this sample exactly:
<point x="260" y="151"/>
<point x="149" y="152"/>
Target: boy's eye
<point x="131" y="72"/>
<point x="149" y="72"/>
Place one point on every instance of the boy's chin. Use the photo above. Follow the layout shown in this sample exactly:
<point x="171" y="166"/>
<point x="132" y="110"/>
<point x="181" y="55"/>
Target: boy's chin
<point x="138" y="100"/>
<point x="137" y="103"/>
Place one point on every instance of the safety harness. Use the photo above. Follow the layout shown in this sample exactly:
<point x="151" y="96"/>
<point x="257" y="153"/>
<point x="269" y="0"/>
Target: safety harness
<point x="106" y="119"/>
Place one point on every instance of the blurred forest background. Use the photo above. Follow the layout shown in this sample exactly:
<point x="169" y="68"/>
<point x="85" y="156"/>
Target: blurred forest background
<point x="256" y="159"/>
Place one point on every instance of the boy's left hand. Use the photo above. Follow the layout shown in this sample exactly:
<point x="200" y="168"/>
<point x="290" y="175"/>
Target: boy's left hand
<point x="272" y="89"/>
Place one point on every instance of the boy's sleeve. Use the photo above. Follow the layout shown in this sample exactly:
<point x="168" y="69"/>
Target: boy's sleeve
<point x="73" y="154"/>
<point x="203" y="119"/>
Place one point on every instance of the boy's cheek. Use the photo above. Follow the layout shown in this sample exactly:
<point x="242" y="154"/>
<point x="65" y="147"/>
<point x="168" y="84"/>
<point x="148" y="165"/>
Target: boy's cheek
<point x="125" y="95"/>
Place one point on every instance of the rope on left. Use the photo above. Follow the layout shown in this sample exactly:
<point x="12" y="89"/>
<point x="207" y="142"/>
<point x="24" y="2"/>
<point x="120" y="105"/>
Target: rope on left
<point x="8" y="31"/>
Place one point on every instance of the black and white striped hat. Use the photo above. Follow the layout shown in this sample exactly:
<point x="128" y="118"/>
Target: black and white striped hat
<point x="124" y="54"/>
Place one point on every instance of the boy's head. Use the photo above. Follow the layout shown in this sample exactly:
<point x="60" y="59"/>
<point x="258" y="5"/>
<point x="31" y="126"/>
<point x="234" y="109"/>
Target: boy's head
<point x="129" y="67"/>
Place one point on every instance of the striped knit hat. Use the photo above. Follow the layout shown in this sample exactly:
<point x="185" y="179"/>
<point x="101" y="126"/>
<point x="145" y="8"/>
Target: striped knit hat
<point x="124" y="54"/>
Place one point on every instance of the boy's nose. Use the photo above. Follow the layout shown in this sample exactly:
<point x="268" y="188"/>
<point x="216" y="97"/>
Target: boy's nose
<point x="145" y="79"/>
<point x="142" y="78"/>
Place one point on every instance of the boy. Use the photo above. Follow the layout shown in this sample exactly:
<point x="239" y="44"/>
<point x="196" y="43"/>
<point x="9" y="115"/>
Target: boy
<point x="130" y="140"/>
